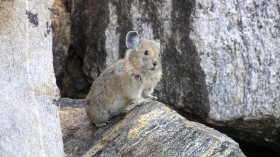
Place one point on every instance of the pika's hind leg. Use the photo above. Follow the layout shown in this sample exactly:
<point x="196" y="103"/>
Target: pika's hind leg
<point x="102" y="119"/>
<point x="98" y="116"/>
<point x="101" y="124"/>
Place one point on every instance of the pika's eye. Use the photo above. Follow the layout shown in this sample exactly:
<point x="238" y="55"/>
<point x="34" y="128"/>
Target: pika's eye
<point x="146" y="52"/>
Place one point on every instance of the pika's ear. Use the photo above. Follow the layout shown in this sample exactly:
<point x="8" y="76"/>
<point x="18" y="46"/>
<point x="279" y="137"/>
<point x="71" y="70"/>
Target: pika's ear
<point x="132" y="39"/>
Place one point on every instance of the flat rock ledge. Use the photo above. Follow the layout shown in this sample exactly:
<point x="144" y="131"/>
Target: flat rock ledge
<point x="151" y="129"/>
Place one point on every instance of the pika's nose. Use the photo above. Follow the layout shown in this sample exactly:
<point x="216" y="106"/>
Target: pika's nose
<point x="155" y="63"/>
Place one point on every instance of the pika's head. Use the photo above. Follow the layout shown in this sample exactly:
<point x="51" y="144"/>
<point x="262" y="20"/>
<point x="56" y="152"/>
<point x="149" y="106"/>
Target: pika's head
<point x="144" y="55"/>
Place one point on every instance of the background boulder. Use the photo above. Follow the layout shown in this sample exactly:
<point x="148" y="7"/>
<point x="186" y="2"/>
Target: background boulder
<point x="238" y="46"/>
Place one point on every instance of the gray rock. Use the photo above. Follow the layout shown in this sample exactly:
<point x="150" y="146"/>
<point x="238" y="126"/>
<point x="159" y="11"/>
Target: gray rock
<point x="60" y="19"/>
<point x="29" y="122"/>
<point x="151" y="129"/>
<point x="238" y="47"/>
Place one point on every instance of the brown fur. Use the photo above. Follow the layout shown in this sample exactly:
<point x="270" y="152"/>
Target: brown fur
<point x="129" y="80"/>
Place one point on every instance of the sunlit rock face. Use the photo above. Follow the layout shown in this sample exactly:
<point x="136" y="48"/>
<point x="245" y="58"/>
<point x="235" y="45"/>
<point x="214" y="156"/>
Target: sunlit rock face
<point x="29" y="122"/>
<point x="238" y="47"/>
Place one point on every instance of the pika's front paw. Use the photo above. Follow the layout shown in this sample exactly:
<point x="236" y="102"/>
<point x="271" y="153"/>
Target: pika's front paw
<point x="140" y="101"/>
<point x="101" y="124"/>
<point x="152" y="97"/>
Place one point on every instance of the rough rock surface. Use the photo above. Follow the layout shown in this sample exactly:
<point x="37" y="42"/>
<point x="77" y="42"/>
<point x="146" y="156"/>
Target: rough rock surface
<point x="238" y="46"/>
<point x="60" y="19"/>
<point x="220" y="59"/>
<point x="67" y="63"/>
<point x="151" y="129"/>
<point x="71" y="80"/>
<point x="29" y="121"/>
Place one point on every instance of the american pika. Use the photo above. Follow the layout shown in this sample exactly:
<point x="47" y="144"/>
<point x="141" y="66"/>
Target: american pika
<point x="129" y="80"/>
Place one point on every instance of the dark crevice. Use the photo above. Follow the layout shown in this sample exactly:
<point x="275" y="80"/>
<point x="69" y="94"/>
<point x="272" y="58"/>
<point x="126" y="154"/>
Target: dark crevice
<point x="72" y="82"/>
<point x="186" y="85"/>
<point x="96" y="21"/>
<point x="124" y="23"/>
<point x="86" y="56"/>
<point x="252" y="150"/>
